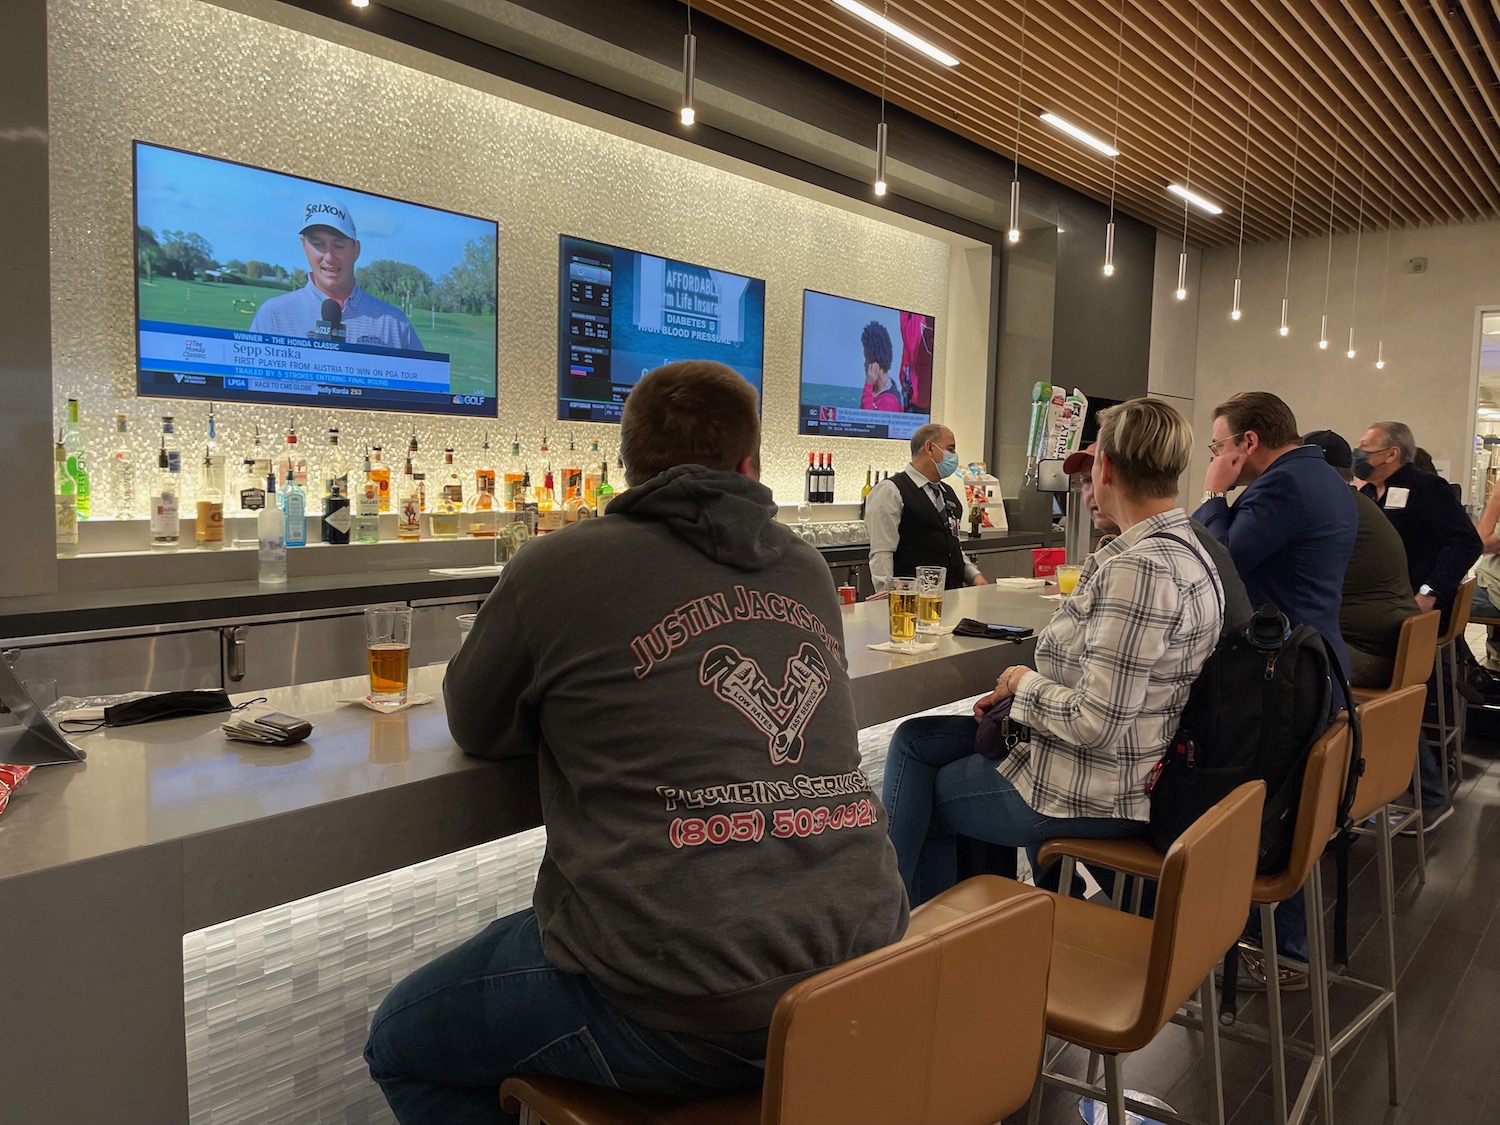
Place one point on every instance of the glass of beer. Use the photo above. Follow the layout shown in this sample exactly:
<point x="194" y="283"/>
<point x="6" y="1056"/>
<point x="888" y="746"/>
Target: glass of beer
<point x="388" y="639"/>
<point x="903" y="605"/>
<point x="930" y="583"/>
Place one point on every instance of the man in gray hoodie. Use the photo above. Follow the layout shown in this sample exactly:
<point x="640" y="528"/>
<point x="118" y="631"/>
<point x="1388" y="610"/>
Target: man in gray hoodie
<point x="677" y="670"/>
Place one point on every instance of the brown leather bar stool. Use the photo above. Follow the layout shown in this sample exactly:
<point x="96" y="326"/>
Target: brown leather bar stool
<point x="945" y="1027"/>
<point x="1415" y="653"/>
<point x="1389" y="724"/>
<point x="1117" y="979"/>
<point x="1451" y="727"/>
<point x="1317" y="815"/>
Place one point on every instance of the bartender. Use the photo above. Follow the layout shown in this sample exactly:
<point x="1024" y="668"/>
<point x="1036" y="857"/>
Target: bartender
<point x="914" y="516"/>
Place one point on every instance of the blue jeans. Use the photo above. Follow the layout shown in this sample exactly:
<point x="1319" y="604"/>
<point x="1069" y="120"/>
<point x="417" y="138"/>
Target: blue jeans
<point x="936" y="788"/>
<point x="446" y="1036"/>
<point x="1291" y="927"/>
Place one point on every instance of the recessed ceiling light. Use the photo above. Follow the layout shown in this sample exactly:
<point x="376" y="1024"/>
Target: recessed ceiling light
<point x="360" y="3"/>
<point x="1196" y="200"/>
<point x="869" y="15"/>
<point x="1079" y="135"/>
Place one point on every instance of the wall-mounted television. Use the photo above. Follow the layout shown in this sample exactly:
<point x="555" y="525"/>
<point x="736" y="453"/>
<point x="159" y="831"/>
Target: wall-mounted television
<point x="623" y="313"/>
<point x="866" y="369"/>
<point x="257" y="286"/>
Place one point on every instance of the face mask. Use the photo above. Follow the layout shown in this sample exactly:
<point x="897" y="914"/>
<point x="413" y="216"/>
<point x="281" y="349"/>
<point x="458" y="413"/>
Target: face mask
<point x="948" y="465"/>
<point x="1362" y="467"/>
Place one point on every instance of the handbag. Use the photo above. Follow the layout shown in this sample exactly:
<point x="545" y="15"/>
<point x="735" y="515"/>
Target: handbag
<point x="998" y="733"/>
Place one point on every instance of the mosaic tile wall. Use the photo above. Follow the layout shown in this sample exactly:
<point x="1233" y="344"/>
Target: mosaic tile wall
<point x="279" y="1003"/>
<point x="195" y="76"/>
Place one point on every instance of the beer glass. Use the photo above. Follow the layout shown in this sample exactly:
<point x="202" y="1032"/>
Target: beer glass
<point x="388" y="640"/>
<point x="903" y="606"/>
<point x="930" y="583"/>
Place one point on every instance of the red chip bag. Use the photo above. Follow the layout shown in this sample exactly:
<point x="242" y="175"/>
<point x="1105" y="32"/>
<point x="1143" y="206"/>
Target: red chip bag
<point x="11" y="779"/>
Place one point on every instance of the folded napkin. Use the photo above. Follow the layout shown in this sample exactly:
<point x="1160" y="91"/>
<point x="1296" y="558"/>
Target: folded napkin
<point x="1018" y="583"/>
<point x="919" y="647"/>
<point x="468" y="571"/>
<point x="413" y="699"/>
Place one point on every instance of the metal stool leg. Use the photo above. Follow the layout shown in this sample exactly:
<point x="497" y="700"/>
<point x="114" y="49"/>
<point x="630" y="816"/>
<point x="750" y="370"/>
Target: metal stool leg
<point x="1386" y="874"/>
<point x="1274" y="1022"/>
<point x="1317" y="965"/>
<point x="1415" y="817"/>
<point x="1114" y="1090"/>
<point x="1212" y="1057"/>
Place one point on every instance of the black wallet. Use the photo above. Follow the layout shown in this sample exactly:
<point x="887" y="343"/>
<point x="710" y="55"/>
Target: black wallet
<point x="968" y="627"/>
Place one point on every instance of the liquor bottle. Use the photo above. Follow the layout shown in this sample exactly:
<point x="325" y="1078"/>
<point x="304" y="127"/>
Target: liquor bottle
<point x="253" y="497"/>
<point x="271" y="527"/>
<point x="174" y="455"/>
<point x="449" y="502"/>
<point x="292" y="463"/>
<point x="830" y="489"/>
<point x="336" y="518"/>
<point x="864" y="493"/>
<point x="572" y="476"/>
<point x="214" y="457"/>
<point x="605" y="492"/>
<point x="526" y="504"/>
<point x="122" y="472"/>
<point x="294" y="506"/>
<point x="208" y="521"/>
<point x="414" y="458"/>
<point x="78" y="460"/>
<point x="165" y="523"/>
<point x="514" y="474"/>
<point x="366" y="504"/>
<point x="65" y="501"/>
<point x="261" y="457"/>
<point x="333" y="467"/>
<point x="409" y="506"/>
<point x="380" y="473"/>
<point x="484" y="508"/>
<point x="545" y="499"/>
<point x="820" y="478"/>
<point x="591" y="477"/>
<point x="809" y="493"/>
<point x="484" y="471"/>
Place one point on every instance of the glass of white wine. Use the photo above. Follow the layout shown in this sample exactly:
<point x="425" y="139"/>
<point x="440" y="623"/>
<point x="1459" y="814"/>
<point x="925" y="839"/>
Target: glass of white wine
<point x="930" y="583"/>
<point x="903" y="607"/>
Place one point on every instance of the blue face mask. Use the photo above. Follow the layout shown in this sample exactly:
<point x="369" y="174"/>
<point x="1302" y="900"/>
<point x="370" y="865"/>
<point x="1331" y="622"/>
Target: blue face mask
<point x="948" y="465"/>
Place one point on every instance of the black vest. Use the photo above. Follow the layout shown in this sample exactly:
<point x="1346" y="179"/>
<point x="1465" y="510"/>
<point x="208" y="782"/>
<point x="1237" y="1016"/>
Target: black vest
<point x="925" y="536"/>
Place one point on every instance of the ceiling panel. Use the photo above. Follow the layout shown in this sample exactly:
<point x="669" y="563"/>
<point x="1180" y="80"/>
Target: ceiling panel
<point x="1349" y="113"/>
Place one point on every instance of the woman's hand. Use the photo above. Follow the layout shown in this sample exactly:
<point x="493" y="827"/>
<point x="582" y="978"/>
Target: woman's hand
<point x="1005" y="687"/>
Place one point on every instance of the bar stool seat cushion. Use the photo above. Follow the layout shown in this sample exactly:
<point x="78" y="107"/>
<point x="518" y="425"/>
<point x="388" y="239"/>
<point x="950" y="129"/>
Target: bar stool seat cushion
<point x="560" y="1102"/>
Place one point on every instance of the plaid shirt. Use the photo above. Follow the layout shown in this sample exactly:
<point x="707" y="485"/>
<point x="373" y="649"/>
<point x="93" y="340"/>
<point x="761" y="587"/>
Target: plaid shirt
<point x="1114" y="666"/>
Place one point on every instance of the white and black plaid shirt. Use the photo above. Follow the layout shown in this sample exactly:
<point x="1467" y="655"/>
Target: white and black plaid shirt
<point x="1114" y="666"/>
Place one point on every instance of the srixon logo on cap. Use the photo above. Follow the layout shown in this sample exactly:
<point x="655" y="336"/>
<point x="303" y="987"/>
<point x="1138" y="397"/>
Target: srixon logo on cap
<point x="315" y="209"/>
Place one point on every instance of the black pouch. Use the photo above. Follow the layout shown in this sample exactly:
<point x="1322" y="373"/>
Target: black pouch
<point x="166" y="705"/>
<point x="990" y="631"/>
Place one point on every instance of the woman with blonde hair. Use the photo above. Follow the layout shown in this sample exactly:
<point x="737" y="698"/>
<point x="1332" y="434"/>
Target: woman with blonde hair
<point x="1113" y="670"/>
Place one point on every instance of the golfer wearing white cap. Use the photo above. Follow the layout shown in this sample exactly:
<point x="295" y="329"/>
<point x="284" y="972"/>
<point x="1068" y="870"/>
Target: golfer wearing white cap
<point x="332" y="247"/>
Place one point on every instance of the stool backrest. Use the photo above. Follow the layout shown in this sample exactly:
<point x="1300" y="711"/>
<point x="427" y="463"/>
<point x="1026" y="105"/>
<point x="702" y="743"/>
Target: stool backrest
<point x="1317" y="812"/>
<point x="1391" y="723"/>
<point x="1201" y="903"/>
<point x="943" y="1028"/>
<point x="1416" y="650"/>
<point x="1458" y="620"/>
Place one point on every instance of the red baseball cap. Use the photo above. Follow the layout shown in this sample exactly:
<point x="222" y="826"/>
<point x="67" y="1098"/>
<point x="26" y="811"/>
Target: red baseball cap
<point x="1081" y="461"/>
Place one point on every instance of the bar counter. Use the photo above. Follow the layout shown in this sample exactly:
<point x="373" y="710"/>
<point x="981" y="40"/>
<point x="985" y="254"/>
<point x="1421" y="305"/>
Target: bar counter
<point x="169" y="828"/>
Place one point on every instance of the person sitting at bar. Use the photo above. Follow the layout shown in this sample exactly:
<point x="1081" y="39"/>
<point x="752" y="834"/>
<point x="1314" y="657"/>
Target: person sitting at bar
<point x="677" y="671"/>
<point x="913" y="516"/>
<point x="1113" y="671"/>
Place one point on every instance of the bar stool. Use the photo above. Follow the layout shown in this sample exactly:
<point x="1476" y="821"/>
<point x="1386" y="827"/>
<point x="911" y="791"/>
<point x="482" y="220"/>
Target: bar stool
<point x="1117" y="979"/>
<point x="1450" y="728"/>
<point x="1416" y="652"/>
<point x="1317" y="815"/>
<point x="1389" y="724"/>
<point x="945" y="1027"/>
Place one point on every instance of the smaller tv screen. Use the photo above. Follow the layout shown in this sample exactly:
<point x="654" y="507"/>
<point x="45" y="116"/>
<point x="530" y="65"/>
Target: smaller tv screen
<point x="624" y="313"/>
<point x="257" y="286"/>
<point x="866" y="369"/>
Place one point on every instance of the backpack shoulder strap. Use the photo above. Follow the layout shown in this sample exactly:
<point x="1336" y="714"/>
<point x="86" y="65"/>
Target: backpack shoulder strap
<point x="1208" y="567"/>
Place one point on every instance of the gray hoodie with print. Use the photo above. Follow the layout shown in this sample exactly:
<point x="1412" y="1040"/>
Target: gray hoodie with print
<point x="678" y="669"/>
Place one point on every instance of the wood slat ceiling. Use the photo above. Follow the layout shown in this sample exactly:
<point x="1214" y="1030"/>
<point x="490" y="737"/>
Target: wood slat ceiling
<point x="1382" y="112"/>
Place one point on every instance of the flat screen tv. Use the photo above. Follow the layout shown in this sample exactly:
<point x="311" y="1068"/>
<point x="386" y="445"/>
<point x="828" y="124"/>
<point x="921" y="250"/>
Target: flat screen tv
<point x="866" y="369"/>
<point x="256" y="286"/>
<point x="623" y="313"/>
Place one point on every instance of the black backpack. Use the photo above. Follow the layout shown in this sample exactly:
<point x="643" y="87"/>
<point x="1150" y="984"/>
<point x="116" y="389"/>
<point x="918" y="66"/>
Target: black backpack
<point x="1259" y="703"/>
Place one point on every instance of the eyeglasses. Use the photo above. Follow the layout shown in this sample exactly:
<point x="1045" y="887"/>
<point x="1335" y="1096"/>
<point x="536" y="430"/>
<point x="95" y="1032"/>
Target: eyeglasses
<point x="1216" y="446"/>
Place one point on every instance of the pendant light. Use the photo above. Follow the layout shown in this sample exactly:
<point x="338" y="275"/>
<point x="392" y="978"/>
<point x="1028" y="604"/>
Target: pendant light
<point x="1291" y="218"/>
<point x="1114" y="167"/>
<point x="1239" y="263"/>
<point x="1328" y="269"/>
<point x="1013" y="233"/>
<point x="880" y="130"/>
<point x="1187" y="183"/>
<point x="1359" y="235"/>
<point x="1390" y="205"/>
<point x="688" y="114"/>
